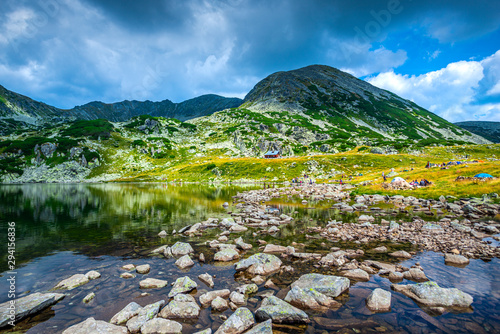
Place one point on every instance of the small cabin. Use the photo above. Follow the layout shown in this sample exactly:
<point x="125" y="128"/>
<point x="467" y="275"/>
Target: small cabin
<point x="272" y="154"/>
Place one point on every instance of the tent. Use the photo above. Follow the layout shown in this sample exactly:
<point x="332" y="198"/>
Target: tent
<point x="397" y="179"/>
<point x="483" y="176"/>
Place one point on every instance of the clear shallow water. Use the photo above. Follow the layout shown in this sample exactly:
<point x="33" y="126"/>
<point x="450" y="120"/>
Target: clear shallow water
<point x="67" y="229"/>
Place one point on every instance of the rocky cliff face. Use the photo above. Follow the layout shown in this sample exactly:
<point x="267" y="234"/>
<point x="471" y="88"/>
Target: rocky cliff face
<point x="488" y="130"/>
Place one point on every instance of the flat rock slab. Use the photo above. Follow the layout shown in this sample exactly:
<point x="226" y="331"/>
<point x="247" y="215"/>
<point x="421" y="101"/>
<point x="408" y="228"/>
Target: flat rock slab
<point x="430" y="294"/>
<point x="329" y="285"/>
<point x="152" y="283"/>
<point x="280" y="312"/>
<point x="28" y="305"/>
<point x="72" y="282"/>
<point x="92" y="326"/>
<point x="241" y="320"/>
<point x="401" y="254"/>
<point x="357" y="274"/>
<point x="456" y="259"/>
<point x="259" y="264"/>
<point x="145" y="314"/>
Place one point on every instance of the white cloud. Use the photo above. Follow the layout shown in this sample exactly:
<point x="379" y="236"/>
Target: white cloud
<point x="457" y="92"/>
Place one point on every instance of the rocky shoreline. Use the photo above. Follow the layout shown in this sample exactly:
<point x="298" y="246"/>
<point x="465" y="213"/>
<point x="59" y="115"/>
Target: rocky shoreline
<point x="270" y="295"/>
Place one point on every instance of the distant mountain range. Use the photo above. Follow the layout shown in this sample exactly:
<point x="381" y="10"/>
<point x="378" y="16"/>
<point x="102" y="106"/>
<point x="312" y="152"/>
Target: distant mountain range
<point x="22" y="108"/>
<point x="488" y="130"/>
<point x="325" y="102"/>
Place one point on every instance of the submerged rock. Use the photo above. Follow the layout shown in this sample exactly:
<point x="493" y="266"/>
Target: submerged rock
<point x="28" y="305"/>
<point x="259" y="264"/>
<point x="92" y="326"/>
<point x="280" y="312"/>
<point x="379" y="300"/>
<point x="430" y="294"/>
<point x="455" y="259"/>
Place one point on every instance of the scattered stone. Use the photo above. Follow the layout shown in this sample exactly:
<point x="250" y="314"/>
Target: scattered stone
<point x="207" y="279"/>
<point x="143" y="269"/>
<point x="161" y="326"/>
<point x="184" y="262"/>
<point x="381" y="249"/>
<point x="280" y="312"/>
<point x="206" y="298"/>
<point x="72" y="282"/>
<point x="237" y="298"/>
<point x="329" y="285"/>
<point x="181" y="307"/>
<point x="145" y="314"/>
<point x="182" y="285"/>
<point x="258" y="279"/>
<point x="152" y="283"/>
<point x="202" y="257"/>
<point x="162" y="234"/>
<point x="241" y="244"/>
<point x="379" y="300"/>
<point x="356" y="274"/>
<point x="270" y="248"/>
<point x="259" y="264"/>
<point x="265" y="327"/>
<point x="241" y="320"/>
<point x="93" y="275"/>
<point x="181" y="248"/>
<point x="395" y="276"/>
<point x="401" y="254"/>
<point x="127" y="275"/>
<point x="247" y="289"/>
<point x="129" y="266"/>
<point x="455" y="259"/>
<point x="89" y="297"/>
<point x="90" y="325"/>
<point x="227" y="254"/>
<point x="415" y="274"/>
<point x="129" y="311"/>
<point x="219" y="304"/>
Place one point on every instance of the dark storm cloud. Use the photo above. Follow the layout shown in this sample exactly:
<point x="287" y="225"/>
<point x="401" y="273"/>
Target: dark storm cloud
<point x="68" y="52"/>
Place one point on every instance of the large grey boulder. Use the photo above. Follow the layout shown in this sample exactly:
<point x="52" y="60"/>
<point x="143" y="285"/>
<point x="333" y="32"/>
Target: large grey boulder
<point x="92" y="326"/>
<point x="128" y="312"/>
<point x="379" y="300"/>
<point x="27" y="305"/>
<point x="241" y="320"/>
<point x="431" y="294"/>
<point x="329" y="285"/>
<point x="181" y="248"/>
<point x="182" y="285"/>
<point x="280" y="312"/>
<point x="182" y="307"/>
<point x="72" y="282"/>
<point x="147" y="313"/>
<point x="259" y="264"/>
<point x="161" y="326"/>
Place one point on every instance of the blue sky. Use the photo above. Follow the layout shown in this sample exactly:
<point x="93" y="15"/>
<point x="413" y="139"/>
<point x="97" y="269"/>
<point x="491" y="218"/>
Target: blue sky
<point x="443" y="55"/>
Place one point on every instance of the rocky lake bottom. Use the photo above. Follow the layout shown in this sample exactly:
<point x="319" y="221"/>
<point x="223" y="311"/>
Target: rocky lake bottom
<point x="64" y="230"/>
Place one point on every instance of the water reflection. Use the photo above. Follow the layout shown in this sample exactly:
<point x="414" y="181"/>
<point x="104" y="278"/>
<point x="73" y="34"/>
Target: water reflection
<point x="56" y="217"/>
